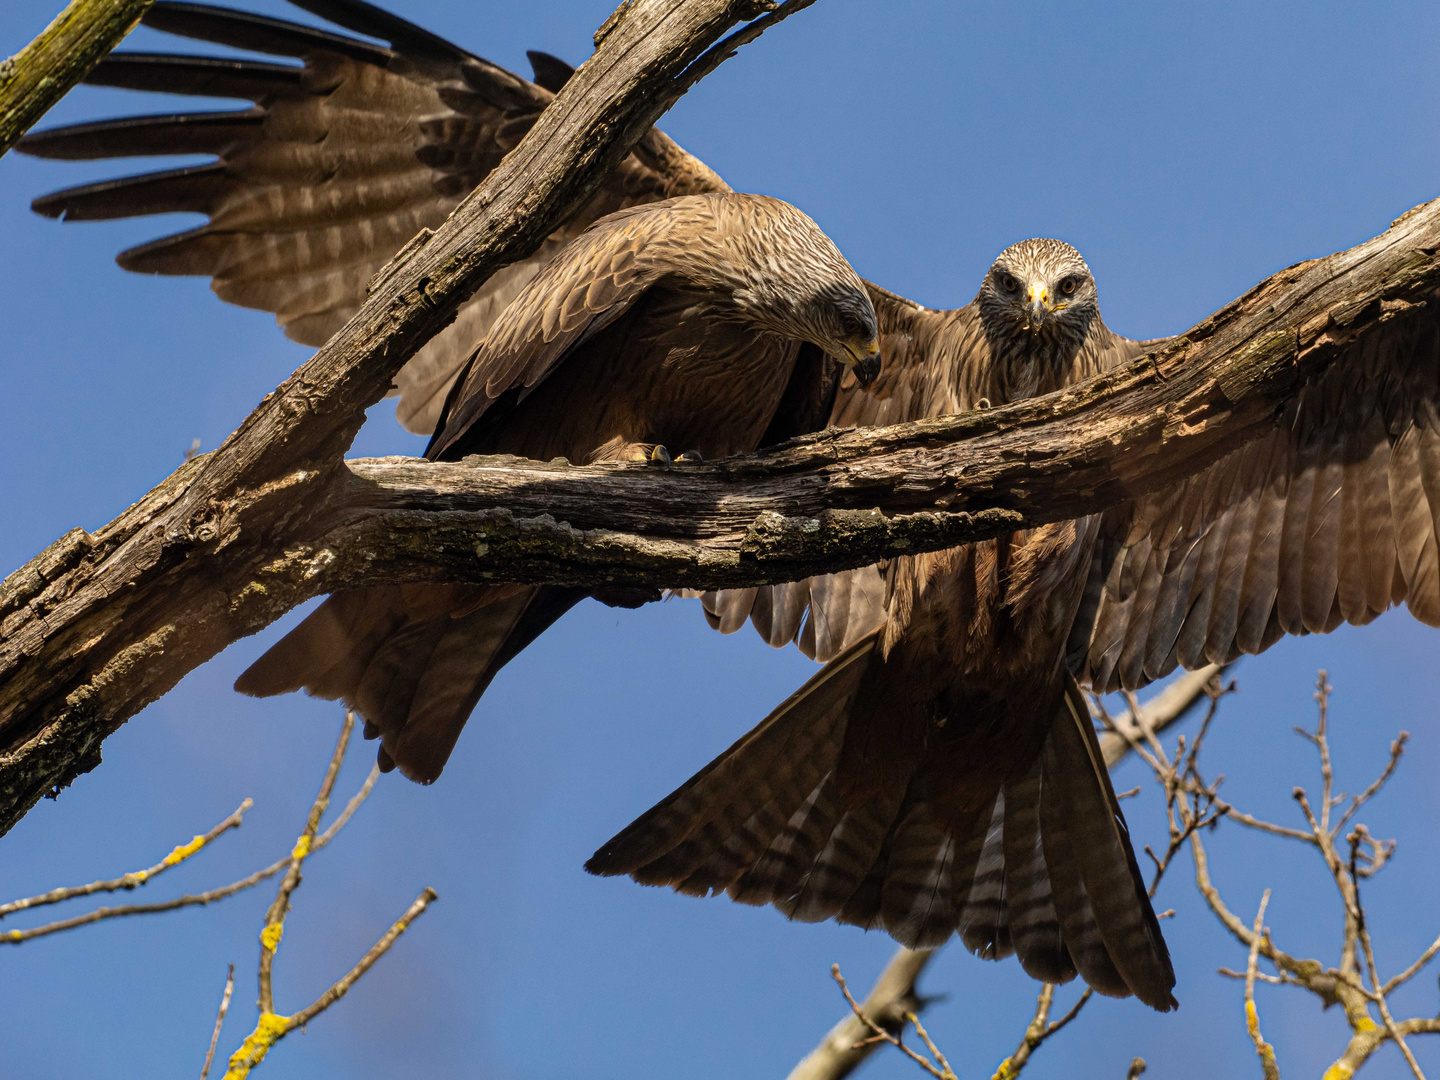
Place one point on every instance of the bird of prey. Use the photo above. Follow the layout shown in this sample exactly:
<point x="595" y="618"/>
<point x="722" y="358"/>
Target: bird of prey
<point x="941" y="773"/>
<point x="1329" y="517"/>
<point x="680" y="322"/>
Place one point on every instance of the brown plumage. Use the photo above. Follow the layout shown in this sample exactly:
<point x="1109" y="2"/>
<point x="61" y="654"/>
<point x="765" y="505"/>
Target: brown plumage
<point x="950" y="780"/>
<point x="941" y="773"/>
<point x="682" y="323"/>
<point x="338" y="163"/>
<point x="1331" y="517"/>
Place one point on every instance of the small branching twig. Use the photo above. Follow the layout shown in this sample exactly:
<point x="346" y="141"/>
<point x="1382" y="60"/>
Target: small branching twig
<point x="271" y="1026"/>
<point x="938" y="1067"/>
<point x="1040" y="1028"/>
<point x="1346" y="984"/>
<point x="219" y="1021"/>
<point x="1265" y="1051"/>
<point x="128" y="881"/>
<point x="199" y="899"/>
<point x="1358" y="837"/>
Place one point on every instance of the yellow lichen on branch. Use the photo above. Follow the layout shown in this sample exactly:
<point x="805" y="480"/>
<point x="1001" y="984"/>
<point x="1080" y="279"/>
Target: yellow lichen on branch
<point x="270" y="1029"/>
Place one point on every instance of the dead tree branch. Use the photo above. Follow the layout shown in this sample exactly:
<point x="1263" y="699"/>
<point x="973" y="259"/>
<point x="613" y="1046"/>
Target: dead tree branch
<point x="43" y="72"/>
<point x="98" y="626"/>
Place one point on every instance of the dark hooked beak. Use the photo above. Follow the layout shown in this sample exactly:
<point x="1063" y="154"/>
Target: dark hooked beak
<point x="866" y="361"/>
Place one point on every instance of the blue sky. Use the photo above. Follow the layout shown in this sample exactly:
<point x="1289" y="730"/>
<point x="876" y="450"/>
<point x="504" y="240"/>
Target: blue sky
<point x="1188" y="152"/>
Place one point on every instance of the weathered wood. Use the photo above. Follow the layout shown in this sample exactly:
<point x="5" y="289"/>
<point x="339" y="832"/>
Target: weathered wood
<point x="98" y="626"/>
<point x="43" y="72"/>
<point x="155" y="596"/>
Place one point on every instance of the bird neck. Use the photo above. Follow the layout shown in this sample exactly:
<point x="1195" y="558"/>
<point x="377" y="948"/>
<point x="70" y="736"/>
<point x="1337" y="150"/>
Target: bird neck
<point x="1025" y="364"/>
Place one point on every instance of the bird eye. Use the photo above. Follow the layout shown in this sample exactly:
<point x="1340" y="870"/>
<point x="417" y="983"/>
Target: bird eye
<point x="1008" y="283"/>
<point x="1069" y="285"/>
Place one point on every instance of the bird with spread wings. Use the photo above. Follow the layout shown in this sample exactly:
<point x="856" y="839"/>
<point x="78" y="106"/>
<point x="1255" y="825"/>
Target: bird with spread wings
<point x="939" y="774"/>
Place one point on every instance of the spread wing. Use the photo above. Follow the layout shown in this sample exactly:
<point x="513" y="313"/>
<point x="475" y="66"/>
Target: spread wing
<point x="337" y="163"/>
<point x="927" y="358"/>
<point x="1331" y="517"/>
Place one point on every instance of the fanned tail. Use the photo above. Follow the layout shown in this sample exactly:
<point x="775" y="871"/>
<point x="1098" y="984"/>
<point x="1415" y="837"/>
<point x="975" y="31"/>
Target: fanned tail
<point x="413" y="660"/>
<point x="1041" y="868"/>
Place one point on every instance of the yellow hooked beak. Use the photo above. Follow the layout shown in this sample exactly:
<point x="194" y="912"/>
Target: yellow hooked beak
<point x="1039" y="297"/>
<point x="865" y="359"/>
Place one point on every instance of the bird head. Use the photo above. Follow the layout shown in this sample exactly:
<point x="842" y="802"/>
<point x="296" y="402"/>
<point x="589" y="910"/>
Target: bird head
<point x="801" y="287"/>
<point x="846" y="322"/>
<point x="1040" y="290"/>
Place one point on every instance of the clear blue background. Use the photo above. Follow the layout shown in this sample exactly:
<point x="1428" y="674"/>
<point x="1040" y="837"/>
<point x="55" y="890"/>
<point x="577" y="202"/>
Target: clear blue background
<point x="1187" y="151"/>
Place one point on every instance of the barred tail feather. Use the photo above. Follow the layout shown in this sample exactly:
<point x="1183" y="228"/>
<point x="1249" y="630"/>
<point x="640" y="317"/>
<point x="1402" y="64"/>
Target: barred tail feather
<point x="1106" y="860"/>
<point x="747" y="796"/>
<point x="1042" y="868"/>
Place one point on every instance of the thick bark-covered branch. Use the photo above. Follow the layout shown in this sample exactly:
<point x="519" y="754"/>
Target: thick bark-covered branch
<point x="43" y="72"/>
<point x="98" y="626"/>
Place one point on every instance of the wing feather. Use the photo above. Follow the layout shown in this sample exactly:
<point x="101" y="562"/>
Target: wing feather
<point x="340" y="161"/>
<point x="1329" y="517"/>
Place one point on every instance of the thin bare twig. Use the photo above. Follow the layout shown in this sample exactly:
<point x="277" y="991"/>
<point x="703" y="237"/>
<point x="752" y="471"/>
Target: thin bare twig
<point x="128" y="881"/>
<point x="379" y="949"/>
<point x="1356" y="838"/>
<point x="1265" y="1051"/>
<point x="280" y="907"/>
<point x="200" y="899"/>
<point x="1397" y="751"/>
<point x="1414" y="969"/>
<point x="219" y="1021"/>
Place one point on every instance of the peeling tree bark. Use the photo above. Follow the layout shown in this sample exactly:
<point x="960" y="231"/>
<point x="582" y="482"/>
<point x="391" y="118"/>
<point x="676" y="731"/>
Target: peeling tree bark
<point x="38" y="76"/>
<point x="98" y="626"/>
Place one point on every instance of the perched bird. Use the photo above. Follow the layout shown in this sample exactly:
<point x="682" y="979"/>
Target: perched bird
<point x="681" y="322"/>
<point x="1330" y="517"/>
<point x="941" y="773"/>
